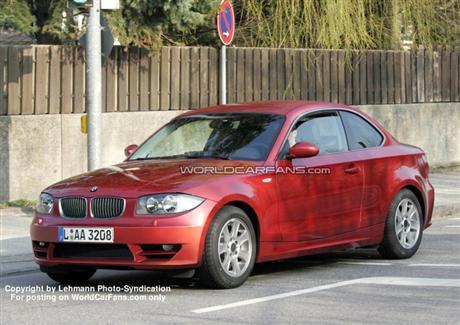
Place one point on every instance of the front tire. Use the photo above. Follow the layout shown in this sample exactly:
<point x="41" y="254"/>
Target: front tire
<point x="403" y="227"/>
<point x="230" y="250"/>
<point x="69" y="276"/>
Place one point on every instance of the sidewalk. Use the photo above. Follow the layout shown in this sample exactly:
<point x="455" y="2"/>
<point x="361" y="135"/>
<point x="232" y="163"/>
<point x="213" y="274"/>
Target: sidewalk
<point x="15" y="246"/>
<point x="446" y="184"/>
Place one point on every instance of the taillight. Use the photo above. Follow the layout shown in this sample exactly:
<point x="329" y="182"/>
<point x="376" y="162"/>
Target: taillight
<point x="424" y="166"/>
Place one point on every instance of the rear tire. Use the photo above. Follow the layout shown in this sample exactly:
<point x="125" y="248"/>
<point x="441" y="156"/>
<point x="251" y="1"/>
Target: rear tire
<point x="403" y="227"/>
<point x="230" y="250"/>
<point x="69" y="275"/>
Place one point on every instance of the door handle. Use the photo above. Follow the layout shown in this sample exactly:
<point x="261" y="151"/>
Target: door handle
<point x="352" y="170"/>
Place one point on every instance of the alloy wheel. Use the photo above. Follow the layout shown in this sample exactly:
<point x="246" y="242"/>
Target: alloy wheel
<point x="407" y="223"/>
<point x="235" y="247"/>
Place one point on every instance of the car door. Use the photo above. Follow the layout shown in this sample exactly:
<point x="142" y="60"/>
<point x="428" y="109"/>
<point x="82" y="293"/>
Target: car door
<point x="365" y="141"/>
<point x="322" y="197"/>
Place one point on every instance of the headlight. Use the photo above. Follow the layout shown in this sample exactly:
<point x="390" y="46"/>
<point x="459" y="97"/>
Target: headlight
<point x="167" y="203"/>
<point x="45" y="203"/>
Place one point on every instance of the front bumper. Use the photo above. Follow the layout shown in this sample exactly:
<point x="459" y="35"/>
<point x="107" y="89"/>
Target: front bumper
<point x="143" y="237"/>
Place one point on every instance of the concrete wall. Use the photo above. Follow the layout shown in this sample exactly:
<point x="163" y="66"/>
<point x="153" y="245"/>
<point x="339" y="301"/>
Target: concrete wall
<point x="38" y="150"/>
<point x="433" y="127"/>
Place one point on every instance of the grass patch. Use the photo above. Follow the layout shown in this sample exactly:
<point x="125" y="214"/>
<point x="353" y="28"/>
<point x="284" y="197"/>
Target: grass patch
<point x="28" y="205"/>
<point x="440" y="169"/>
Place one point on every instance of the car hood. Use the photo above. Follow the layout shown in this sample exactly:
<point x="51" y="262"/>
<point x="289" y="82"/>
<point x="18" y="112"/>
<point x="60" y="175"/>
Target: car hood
<point x="132" y="179"/>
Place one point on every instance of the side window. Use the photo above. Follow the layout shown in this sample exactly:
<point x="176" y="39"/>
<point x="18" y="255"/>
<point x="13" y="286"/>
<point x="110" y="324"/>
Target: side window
<point x="360" y="133"/>
<point x="324" y="130"/>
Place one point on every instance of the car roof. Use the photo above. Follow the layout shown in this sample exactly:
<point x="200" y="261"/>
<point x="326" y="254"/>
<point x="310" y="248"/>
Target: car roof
<point x="289" y="108"/>
<point x="274" y="107"/>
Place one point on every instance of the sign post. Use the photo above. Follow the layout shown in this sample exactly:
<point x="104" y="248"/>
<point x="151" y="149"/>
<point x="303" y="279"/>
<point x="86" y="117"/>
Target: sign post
<point x="226" y="30"/>
<point x="91" y="41"/>
<point x="223" y="75"/>
<point x="94" y="85"/>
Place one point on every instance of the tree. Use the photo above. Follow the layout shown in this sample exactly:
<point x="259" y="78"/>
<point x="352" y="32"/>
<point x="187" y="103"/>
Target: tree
<point x="344" y="24"/>
<point x="139" y="23"/>
<point x="348" y="24"/>
<point x="60" y="23"/>
<point x="16" y="15"/>
<point x="152" y="23"/>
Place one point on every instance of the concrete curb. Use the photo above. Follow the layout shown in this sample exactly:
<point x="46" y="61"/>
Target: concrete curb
<point x="441" y="211"/>
<point x="16" y="212"/>
<point x="444" y="211"/>
<point x="17" y="264"/>
<point x="24" y="263"/>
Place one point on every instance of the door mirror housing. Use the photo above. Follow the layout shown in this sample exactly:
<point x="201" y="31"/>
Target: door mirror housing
<point x="130" y="149"/>
<point x="303" y="150"/>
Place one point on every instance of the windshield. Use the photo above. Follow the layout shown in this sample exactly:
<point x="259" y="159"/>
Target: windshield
<point x="236" y="136"/>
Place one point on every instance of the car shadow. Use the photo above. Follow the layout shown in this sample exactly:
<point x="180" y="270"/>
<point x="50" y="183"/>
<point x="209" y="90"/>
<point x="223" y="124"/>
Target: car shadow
<point x="310" y="261"/>
<point x="180" y="280"/>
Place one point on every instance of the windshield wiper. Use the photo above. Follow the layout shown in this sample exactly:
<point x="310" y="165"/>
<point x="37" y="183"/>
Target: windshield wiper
<point x="160" y="157"/>
<point x="208" y="157"/>
<point x="184" y="156"/>
<point x="141" y="158"/>
<point x="217" y="157"/>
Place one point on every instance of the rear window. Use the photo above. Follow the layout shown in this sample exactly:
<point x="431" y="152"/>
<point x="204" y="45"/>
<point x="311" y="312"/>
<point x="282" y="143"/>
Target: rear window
<point x="360" y="133"/>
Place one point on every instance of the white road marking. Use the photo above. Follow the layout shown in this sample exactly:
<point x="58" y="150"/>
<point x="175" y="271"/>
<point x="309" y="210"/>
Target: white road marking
<point x="452" y="226"/>
<point x="398" y="281"/>
<point x="402" y="281"/>
<point x="273" y="297"/>
<point x="435" y="265"/>
<point x="454" y="218"/>
<point x="365" y="263"/>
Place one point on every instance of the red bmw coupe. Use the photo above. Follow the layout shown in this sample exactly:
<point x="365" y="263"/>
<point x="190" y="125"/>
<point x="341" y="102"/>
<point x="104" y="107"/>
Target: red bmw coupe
<point x="221" y="188"/>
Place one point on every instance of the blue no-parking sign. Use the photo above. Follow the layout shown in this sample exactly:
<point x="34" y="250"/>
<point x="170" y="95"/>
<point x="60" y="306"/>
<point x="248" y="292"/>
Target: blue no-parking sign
<point x="226" y="22"/>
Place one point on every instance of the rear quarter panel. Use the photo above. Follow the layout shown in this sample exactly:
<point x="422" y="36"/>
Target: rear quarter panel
<point x="388" y="170"/>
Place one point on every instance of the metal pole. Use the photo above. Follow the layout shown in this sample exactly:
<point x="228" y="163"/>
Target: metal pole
<point x="223" y="75"/>
<point x="94" y="85"/>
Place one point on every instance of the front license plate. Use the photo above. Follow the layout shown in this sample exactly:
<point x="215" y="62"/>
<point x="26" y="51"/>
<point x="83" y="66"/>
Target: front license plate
<point x="86" y="235"/>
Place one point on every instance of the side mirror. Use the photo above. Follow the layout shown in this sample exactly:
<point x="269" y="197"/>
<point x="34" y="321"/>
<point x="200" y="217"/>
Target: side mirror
<point x="130" y="149"/>
<point x="303" y="150"/>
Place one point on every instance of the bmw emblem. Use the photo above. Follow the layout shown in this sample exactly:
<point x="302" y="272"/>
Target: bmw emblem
<point x="93" y="189"/>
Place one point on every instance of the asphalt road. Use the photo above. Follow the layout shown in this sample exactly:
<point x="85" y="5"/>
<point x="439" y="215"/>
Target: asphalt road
<point x="352" y="287"/>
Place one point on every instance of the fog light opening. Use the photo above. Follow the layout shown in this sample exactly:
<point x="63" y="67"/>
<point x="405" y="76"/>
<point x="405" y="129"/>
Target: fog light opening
<point x="170" y="247"/>
<point x="40" y="244"/>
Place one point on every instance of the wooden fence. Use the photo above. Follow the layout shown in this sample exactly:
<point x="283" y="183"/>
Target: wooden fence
<point x="359" y="78"/>
<point x="51" y="79"/>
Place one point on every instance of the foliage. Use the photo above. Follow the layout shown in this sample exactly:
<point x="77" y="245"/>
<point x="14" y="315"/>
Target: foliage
<point x="63" y="28"/>
<point x="434" y="22"/>
<point x="21" y="203"/>
<point x="152" y="23"/>
<point x="345" y="24"/>
<point x="16" y="14"/>
<point x="348" y="24"/>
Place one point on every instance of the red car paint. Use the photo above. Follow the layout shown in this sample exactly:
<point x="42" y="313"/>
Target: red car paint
<point x="294" y="215"/>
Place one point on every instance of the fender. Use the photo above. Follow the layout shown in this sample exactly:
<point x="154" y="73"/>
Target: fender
<point x="417" y="183"/>
<point x="217" y="208"/>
